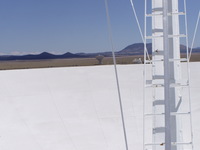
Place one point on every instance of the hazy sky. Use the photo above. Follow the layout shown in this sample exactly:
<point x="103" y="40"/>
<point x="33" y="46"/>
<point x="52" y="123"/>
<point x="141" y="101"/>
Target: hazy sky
<point x="33" y="26"/>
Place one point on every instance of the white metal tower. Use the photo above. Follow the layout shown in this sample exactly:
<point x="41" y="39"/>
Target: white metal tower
<point x="167" y="91"/>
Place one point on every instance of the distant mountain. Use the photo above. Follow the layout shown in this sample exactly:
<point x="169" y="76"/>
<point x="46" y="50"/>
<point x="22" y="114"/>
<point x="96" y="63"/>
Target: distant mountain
<point x="196" y="50"/>
<point x="133" y="49"/>
<point x="43" y="55"/>
<point x="138" y="49"/>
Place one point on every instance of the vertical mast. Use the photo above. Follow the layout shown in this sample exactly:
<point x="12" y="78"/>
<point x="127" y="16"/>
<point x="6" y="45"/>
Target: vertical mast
<point x="167" y="109"/>
<point x="165" y="79"/>
<point x="167" y="27"/>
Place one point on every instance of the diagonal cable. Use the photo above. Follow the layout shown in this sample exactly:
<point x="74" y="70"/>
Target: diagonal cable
<point x="116" y="75"/>
<point x="139" y="27"/>
<point x="195" y="32"/>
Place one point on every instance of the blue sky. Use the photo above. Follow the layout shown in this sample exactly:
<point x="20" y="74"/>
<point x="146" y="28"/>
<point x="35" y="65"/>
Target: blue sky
<point x="59" y="26"/>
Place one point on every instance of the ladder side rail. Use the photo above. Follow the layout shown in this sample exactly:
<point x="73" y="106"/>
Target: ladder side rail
<point x="154" y="63"/>
<point x="144" y="75"/>
<point x="188" y="71"/>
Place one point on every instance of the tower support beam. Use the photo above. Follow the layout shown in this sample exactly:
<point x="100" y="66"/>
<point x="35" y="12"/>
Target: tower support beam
<point x="166" y="77"/>
<point x="167" y="100"/>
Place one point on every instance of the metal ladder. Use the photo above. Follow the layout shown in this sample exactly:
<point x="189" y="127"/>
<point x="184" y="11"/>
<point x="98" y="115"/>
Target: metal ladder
<point x="154" y="80"/>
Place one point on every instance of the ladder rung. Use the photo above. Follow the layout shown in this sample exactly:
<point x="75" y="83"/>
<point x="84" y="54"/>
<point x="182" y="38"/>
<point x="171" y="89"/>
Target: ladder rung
<point x="153" y="37"/>
<point x="172" y="85"/>
<point x="175" y="114"/>
<point x="170" y="60"/>
<point x="181" y="143"/>
<point x="158" y="130"/>
<point x="172" y="114"/>
<point x="158" y="102"/>
<point x="161" y="36"/>
<point x="150" y="15"/>
<point x="160" y="114"/>
<point x="148" y="81"/>
<point x="178" y="85"/>
<point x="181" y="59"/>
<point x="158" y="77"/>
<point x="151" y="144"/>
<point x="169" y="14"/>
<point x="179" y="35"/>
<point x="155" y="85"/>
<point x="176" y="13"/>
<point x="157" y="60"/>
<point x="173" y="143"/>
<point x="183" y="83"/>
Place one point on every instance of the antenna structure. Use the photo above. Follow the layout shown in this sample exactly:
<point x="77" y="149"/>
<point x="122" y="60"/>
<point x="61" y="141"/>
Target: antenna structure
<point x="167" y="89"/>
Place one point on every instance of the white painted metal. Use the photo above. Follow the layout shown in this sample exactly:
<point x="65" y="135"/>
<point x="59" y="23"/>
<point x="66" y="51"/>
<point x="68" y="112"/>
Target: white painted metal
<point x="86" y="99"/>
<point x="165" y="79"/>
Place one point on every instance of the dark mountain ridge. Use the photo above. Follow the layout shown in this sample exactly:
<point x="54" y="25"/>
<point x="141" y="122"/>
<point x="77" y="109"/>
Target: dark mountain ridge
<point x="43" y="55"/>
<point x="133" y="49"/>
<point x="138" y="49"/>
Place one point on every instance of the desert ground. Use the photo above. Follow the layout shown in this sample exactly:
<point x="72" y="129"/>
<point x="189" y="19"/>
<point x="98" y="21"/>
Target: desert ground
<point x="28" y="64"/>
